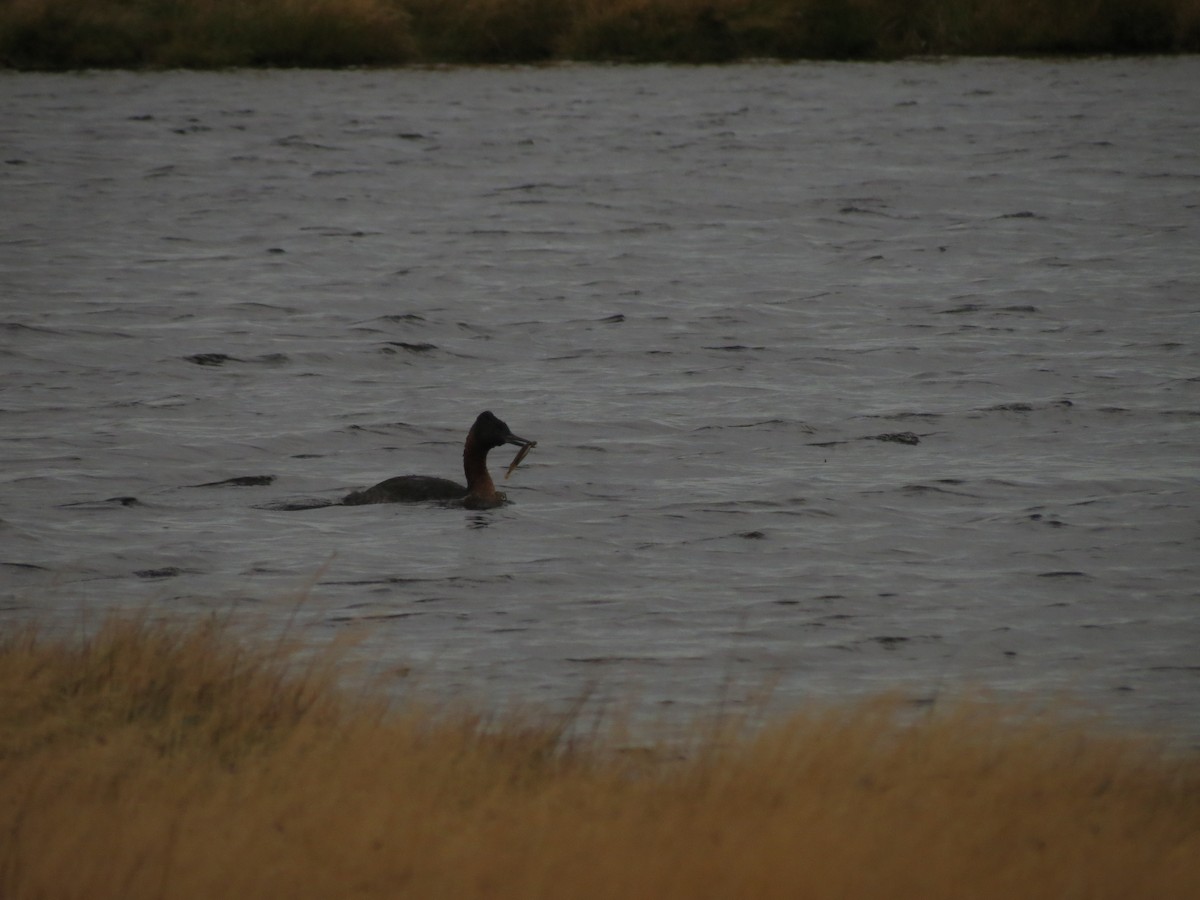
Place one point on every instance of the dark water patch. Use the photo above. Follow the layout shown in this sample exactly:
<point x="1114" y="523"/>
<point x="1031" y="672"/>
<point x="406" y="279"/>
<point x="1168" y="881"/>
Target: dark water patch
<point x="383" y="429"/>
<point x="932" y="489"/>
<point x="758" y="424"/>
<point x="640" y="660"/>
<point x="260" y="306"/>
<point x="1063" y="574"/>
<point x="527" y="187"/>
<point x="854" y="209"/>
<point x="1023" y="214"/>
<point x="736" y="348"/>
<point x="960" y="310"/>
<point x="296" y="505"/>
<point x="752" y="535"/>
<point x="27" y="566"/>
<point x="897" y="437"/>
<point x="296" y="141"/>
<point x="892" y="641"/>
<point x="240" y="481"/>
<point x="331" y="231"/>
<point x="1024" y="407"/>
<point x="344" y="619"/>
<point x="397" y="318"/>
<point x="741" y="507"/>
<point x="1054" y="523"/>
<point x="1010" y="407"/>
<point x="164" y="572"/>
<point x="905" y="415"/>
<point x="211" y="359"/>
<point x="577" y="354"/>
<point x="110" y="503"/>
<point x="410" y="347"/>
<point x="389" y="579"/>
<point x="19" y="327"/>
<point x="220" y="359"/>
<point x="965" y="308"/>
<point x="480" y="579"/>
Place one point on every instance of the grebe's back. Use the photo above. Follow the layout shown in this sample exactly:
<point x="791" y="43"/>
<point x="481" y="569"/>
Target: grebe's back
<point x="408" y="489"/>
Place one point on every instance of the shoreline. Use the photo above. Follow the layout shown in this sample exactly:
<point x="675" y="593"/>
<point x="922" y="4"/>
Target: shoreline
<point x="58" y="35"/>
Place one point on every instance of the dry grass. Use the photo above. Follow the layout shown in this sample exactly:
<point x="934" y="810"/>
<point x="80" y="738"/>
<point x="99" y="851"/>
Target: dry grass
<point x="181" y="762"/>
<point x="64" y="34"/>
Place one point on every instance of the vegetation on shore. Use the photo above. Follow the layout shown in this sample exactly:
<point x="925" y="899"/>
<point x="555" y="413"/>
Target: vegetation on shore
<point x="165" y="761"/>
<point x="72" y="34"/>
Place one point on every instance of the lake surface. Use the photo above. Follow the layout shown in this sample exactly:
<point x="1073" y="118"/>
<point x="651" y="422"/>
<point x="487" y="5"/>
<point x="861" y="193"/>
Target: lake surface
<point x="845" y="378"/>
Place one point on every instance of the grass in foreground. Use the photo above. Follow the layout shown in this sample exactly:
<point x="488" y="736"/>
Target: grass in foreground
<point x="73" y="34"/>
<point x="160" y="761"/>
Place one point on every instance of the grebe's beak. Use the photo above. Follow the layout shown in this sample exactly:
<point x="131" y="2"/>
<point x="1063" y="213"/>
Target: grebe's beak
<point x="519" y="441"/>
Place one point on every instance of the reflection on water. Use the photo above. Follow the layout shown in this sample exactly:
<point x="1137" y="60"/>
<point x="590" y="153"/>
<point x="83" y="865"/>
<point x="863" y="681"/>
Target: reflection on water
<point x="844" y="377"/>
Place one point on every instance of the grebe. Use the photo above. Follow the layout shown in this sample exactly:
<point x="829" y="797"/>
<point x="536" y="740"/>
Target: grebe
<point x="480" y="492"/>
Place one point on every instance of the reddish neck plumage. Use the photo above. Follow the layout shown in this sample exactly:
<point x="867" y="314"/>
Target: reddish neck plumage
<point x="479" y="481"/>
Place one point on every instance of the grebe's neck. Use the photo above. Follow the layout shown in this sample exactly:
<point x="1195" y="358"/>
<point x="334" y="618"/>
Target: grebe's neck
<point x="479" y="480"/>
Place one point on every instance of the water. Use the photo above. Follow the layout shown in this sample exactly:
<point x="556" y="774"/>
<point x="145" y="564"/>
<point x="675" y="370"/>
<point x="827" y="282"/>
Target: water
<point x="705" y="292"/>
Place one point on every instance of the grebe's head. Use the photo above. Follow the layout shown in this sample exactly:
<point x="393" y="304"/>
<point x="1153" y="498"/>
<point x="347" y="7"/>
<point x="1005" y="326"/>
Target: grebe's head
<point x="490" y="432"/>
